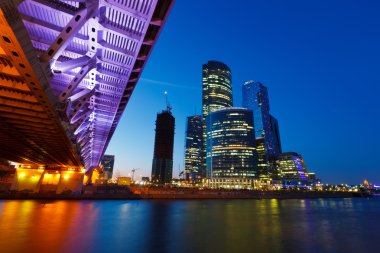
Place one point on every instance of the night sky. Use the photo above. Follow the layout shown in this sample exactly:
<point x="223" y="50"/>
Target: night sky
<point x="319" y="59"/>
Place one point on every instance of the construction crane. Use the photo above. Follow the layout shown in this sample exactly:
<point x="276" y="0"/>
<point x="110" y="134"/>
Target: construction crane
<point x="133" y="173"/>
<point x="168" y="106"/>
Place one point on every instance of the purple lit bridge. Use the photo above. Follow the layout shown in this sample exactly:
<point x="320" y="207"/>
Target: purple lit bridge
<point x="67" y="72"/>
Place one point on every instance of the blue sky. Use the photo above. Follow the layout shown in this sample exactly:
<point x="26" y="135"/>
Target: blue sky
<point x="319" y="59"/>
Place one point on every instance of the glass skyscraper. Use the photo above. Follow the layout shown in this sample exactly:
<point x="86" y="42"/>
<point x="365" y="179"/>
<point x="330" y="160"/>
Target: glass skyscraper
<point x="231" y="150"/>
<point x="290" y="168"/>
<point x="255" y="98"/>
<point x="275" y="130"/>
<point x="216" y="94"/>
<point x="193" y="148"/>
<point x="162" y="167"/>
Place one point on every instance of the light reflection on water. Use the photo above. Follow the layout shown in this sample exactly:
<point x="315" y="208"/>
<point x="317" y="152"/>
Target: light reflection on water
<point x="321" y="225"/>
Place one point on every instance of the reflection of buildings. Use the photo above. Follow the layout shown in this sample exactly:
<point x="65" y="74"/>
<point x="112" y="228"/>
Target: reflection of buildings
<point x="290" y="168"/>
<point x="108" y="162"/>
<point x="193" y="148"/>
<point x="231" y="150"/>
<point x="216" y="94"/>
<point x="162" y="167"/>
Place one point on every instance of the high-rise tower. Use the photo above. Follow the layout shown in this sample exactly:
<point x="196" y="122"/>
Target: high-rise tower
<point x="231" y="148"/>
<point x="193" y="148"/>
<point x="276" y="134"/>
<point x="255" y="98"/>
<point x="162" y="167"/>
<point x="216" y="94"/>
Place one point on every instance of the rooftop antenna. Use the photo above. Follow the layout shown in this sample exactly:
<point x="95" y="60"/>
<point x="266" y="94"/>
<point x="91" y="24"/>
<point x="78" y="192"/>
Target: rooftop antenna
<point x="168" y="106"/>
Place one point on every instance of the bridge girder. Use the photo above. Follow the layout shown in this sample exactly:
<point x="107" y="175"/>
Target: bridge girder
<point x="71" y="78"/>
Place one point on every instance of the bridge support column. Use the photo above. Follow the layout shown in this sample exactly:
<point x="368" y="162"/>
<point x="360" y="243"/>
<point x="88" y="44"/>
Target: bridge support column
<point x="27" y="179"/>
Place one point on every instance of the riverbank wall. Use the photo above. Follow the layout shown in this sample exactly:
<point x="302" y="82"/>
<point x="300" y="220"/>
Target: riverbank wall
<point x="136" y="193"/>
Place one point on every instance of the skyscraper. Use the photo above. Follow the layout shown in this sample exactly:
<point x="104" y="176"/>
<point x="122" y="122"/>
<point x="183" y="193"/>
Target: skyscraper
<point x="108" y="162"/>
<point x="255" y="98"/>
<point x="162" y="167"/>
<point x="290" y="168"/>
<point x="262" y="161"/>
<point x="231" y="150"/>
<point x="275" y="130"/>
<point x="216" y="94"/>
<point x="193" y="148"/>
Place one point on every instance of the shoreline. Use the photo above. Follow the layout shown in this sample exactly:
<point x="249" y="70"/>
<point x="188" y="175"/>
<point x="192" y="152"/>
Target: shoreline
<point x="181" y="195"/>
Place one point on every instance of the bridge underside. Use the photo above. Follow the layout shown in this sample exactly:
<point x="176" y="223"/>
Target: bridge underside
<point x="67" y="72"/>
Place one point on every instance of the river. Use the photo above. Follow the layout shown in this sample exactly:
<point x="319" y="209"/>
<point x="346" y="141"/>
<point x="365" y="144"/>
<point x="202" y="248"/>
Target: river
<point x="317" y="225"/>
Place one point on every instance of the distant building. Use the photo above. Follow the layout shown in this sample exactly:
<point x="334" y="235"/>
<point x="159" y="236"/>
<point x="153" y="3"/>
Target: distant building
<point x="255" y="98"/>
<point x="290" y="168"/>
<point x="193" y="148"/>
<point x="124" y="181"/>
<point x="108" y="163"/>
<point x="162" y="167"/>
<point x="216" y="94"/>
<point x="145" y="179"/>
<point x="231" y="150"/>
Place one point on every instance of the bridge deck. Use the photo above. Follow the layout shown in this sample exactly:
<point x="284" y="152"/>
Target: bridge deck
<point x="67" y="71"/>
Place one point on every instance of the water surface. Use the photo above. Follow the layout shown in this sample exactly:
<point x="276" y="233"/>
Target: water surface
<point x="321" y="225"/>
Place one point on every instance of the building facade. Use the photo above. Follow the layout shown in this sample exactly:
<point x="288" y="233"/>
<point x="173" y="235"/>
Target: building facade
<point x="216" y="94"/>
<point x="108" y="163"/>
<point x="275" y="130"/>
<point x="262" y="161"/>
<point x="162" y="167"/>
<point x="231" y="150"/>
<point x="231" y="183"/>
<point x="290" y="168"/>
<point x="193" y="148"/>
<point x="255" y="98"/>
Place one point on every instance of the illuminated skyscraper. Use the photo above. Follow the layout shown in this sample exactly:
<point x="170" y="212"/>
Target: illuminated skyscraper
<point x="231" y="150"/>
<point x="216" y="94"/>
<point x="108" y="162"/>
<point x="255" y="98"/>
<point x="262" y="161"/>
<point x="162" y="167"/>
<point x="290" y="168"/>
<point x="193" y="148"/>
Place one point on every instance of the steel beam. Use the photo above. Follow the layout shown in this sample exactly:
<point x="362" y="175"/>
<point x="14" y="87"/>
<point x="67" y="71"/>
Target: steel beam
<point x="77" y="79"/>
<point x="71" y="29"/>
